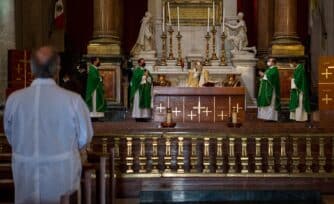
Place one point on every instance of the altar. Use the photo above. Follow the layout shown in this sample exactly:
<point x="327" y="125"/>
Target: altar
<point x="199" y="105"/>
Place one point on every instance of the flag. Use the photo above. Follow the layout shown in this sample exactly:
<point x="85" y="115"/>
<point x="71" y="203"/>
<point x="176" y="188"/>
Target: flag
<point x="59" y="16"/>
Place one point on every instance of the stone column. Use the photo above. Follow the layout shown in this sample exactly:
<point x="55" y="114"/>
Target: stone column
<point x="107" y="28"/>
<point x="7" y="40"/>
<point x="286" y="41"/>
<point x="265" y="26"/>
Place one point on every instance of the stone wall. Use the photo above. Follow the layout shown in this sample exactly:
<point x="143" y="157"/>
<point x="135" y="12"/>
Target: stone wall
<point x="7" y="40"/>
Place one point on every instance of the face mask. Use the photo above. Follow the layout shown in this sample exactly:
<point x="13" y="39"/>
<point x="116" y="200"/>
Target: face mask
<point x="269" y="64"/>
<point x="98" y="64"/>
<point x="292" y="66"/>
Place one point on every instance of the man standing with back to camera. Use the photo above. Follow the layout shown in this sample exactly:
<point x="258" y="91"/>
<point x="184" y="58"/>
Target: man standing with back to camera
<point x="46" y="127"/>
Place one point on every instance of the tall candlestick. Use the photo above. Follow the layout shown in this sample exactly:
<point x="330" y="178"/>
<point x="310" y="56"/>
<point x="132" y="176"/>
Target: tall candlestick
<point x="170" y="21"/>
<point x="214" y="13"/>
<point x="208" y="29"/>
<point x="178" y="19"/>
<point x="163" y="18"/>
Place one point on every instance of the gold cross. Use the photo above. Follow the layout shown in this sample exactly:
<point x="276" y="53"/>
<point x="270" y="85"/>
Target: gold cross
<point x="238" y="108"/>
<point x="207" y="111"/>
<point x="160" y="108"/>
<point x="330" y="67"/>
<point x="176" y="111"/>
<point x="222" y="115"/>
<point x="327" y="99"/>
<point x="326" y="73"/>
<point x="191" y="115"/>
<point x="199" y="107"/>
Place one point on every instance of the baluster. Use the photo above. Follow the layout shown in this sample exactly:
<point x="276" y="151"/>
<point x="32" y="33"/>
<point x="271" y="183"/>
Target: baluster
<point x="206" y="157"/>
<point x="142" y="156"/>
<point x="168" y="158"/>
<point x="180" y="156"/>
<point x="271" y="158"/>
<point x="116" y="152"/>
<point x="129" y="155"/>
<point x="193" y="157"/>
<point x="295" y="156"/>
<point x="219" y="158"/>
<point x="308" y="159"/>
<point x="284" y="159"/>
<point x="258" y="157"/>
<point x="231" y="156"/>
<point x="104" y="141"/>
<point x="244" y="156"/>
<point x="155" y="158"/>
<point x="322" y="156"/>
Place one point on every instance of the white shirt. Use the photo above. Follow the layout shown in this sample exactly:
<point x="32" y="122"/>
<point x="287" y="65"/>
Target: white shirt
<point x="46" y="126"/>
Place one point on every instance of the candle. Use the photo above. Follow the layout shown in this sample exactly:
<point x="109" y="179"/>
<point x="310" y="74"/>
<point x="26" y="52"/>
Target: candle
<point x="178" y="19"/>
<point x="224" y="20"/>
<point x="208" y="29"/>
<point x="214" y="13"/>
<point x="234" y="117"/>
<point x="170" y="21"/>
<point x="163" y="18"/>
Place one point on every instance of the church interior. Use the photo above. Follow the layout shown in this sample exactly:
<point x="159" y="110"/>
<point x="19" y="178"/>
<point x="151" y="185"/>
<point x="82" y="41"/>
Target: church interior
<point x="233" y="104"/>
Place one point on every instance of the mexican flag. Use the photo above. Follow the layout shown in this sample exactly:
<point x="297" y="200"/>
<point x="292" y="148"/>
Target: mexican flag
<point x="59" y="16"/>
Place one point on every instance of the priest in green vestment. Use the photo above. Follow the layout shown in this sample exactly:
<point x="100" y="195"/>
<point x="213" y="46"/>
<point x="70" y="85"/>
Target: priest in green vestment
<point x="299" y="97"/>
<point x="268" y="101"/>
<point x="141" y="92"/>
<point x="94" y="91"/>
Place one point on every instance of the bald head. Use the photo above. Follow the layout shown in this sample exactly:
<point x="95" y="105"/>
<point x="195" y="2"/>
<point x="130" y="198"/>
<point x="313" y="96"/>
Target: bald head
<point x="45" y="63"/>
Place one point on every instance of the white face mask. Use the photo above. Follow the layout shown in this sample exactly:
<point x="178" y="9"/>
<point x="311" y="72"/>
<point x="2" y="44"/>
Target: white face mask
<point x="269" y="64"/>
<point x="292" y="66"/>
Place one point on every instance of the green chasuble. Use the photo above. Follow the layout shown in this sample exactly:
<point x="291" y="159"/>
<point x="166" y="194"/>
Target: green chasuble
<point x="94" y="82"/>
<point x="144" y="89"/>
<point x="302" y="86"/>
<point x="267" y="87"/>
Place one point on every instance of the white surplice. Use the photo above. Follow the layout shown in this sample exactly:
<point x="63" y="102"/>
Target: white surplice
<point x="46" y="126"/>
<point x="300" y="114"/>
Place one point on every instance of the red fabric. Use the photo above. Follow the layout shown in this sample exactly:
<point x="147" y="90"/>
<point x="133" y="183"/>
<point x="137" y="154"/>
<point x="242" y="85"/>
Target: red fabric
<point x="60" y="22"/>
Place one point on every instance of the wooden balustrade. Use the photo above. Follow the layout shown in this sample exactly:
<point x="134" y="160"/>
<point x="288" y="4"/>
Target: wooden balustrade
<point x="221" y="155"/>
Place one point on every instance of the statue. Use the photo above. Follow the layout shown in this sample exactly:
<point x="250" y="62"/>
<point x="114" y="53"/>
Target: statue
<point x="231" y="81"/>
<point x="237" y="34"/>
<point x="162" y="81"/>
<point x="145" y="39"/>
<point x="194" y="75"/>
<point x="205" y="80"/>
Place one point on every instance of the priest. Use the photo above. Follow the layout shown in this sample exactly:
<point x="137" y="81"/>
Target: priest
<point x="299" y="97"/>
<point x="141" y="92"/>
<point x="94" y="91"/>
<point x="268" y="101"/>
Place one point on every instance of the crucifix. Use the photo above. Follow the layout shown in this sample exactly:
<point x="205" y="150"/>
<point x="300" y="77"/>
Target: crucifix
<point x="25" y="62"/>
<point x="191" y="115"/>
<point x="160" y="108"/>
<point x="176" y="111"/>
<point x="207" y="111"/>
<point x="222" y="115"/>
<point x="327" y="99"/>
<point x="326" y="73"/>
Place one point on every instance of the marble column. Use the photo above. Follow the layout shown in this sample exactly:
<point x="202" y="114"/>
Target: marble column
<point x="286" y="41"/>
<point x="265" y="26"/>
<point x="7" y="40"/>
<point x="107" y="28"/>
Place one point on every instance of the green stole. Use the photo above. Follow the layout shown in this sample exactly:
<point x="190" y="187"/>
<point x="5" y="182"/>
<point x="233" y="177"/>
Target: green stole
<point x="302" y="86"/>
<point x="267" y="87"/>
<point x="145" y="95"/>
<point x="94" y="82"/>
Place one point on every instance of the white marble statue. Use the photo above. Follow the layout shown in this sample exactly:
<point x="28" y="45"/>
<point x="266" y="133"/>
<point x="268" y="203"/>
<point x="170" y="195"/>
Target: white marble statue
<point x="237" y="34"/>
<point x="145" y="41"/>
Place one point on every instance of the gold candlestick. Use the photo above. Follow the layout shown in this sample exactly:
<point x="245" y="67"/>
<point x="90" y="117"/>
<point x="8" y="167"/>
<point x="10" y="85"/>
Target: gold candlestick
<point x="179" y="51"/>
<point x="214" y="55"/>
<point x="171" y="55"/>
<point x="223" y="52"/>
<point x="164" y="49"/>
<point x="207" y="58"/>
